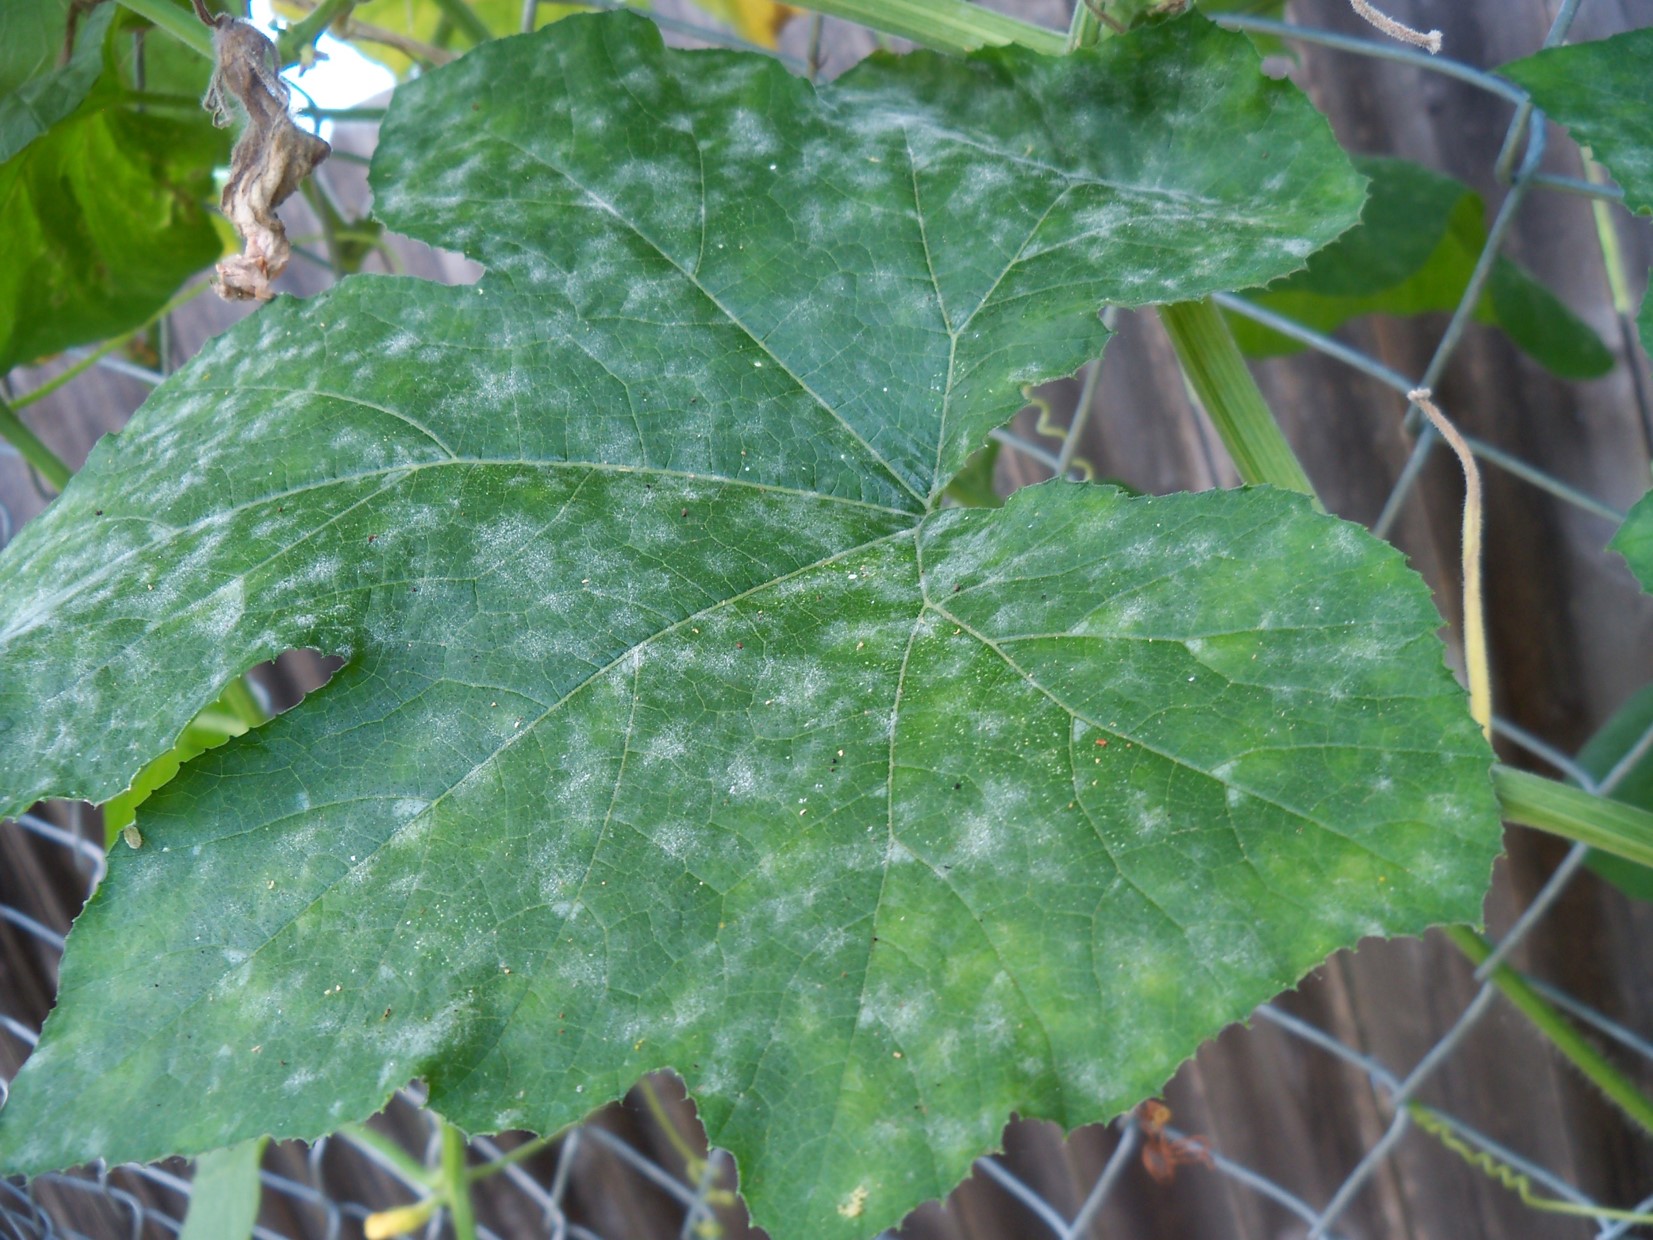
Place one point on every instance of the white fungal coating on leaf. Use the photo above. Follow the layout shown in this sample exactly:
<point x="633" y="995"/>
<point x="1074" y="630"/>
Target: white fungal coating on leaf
<point x="677" y="725"/>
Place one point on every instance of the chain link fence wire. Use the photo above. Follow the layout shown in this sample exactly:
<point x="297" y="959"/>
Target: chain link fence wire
<point x="640" y="1168"/>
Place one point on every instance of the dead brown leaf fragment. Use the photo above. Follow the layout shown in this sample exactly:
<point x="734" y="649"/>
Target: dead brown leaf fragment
<point x="270" y="159"/>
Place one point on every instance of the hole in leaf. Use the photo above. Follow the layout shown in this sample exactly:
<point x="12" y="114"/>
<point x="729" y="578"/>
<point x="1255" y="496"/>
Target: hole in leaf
<point x="249" y="701"/>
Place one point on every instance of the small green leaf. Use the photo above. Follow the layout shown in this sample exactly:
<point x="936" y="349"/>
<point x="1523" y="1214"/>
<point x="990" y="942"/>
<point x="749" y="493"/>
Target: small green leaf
<point x="1634" y="541"/>
<point x="1541" y="325"/>
<point x="34" y="92"/>
<point x="679" y="725"/>
<point x="1417" y="244"/>
<point x="1599" y="91"/>
<point x="104" y="217"/>
<point x="224" y="1195"/>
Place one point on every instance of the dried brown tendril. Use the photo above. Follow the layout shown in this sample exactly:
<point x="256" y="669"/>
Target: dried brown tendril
<point x="270" y="159"/>
<point x="1429" y="40"/>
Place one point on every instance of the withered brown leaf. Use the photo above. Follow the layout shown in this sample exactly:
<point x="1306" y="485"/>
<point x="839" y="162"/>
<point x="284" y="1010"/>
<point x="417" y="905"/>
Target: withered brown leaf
<point x="271" y="158"/>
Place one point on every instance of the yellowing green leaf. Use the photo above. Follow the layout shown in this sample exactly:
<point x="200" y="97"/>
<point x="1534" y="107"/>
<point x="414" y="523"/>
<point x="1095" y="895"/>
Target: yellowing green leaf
<point x="757" y="21"/>
<point x="104" y="217"/>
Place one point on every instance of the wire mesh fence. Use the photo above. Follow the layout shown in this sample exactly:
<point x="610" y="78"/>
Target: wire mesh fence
<point x="641" y="1167"/>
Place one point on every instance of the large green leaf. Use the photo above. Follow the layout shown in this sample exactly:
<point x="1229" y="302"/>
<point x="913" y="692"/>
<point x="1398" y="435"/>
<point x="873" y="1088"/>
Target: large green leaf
<point x="1600" y="92"/>
<point x="105" y="213"/>
<point x="679" y="726"/>
<point x="35" y="92"/>
<point x="1417" y="244"/>
<point x="104" y="217"/>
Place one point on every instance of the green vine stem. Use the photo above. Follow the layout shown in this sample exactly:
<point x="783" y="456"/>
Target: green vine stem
<point x="946" y="25"/>
<point x="1086" y="27"/>
<point x="1218" y="374"/>
<point x="456" y="1183"/>
<point x="297" y="39"/>
<point x="465" y="20"/>
<point x="45" y="461"/>
<point x="522" y="1152"/>
<point x="371" y="115"/>
<point x="103" y="350"/>
<point x="696" y="1170"/>
<point x="1565" y="1038"/>
<point x="407" y="1166"/>
<point x="1436" y="1125"/>
<point x="181" y="24"/>
<point x="1574" y="814"/>
<point x="1607" y="238"/>
<point x="657" y="1108"/>
<point x="449" y="1182"/>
